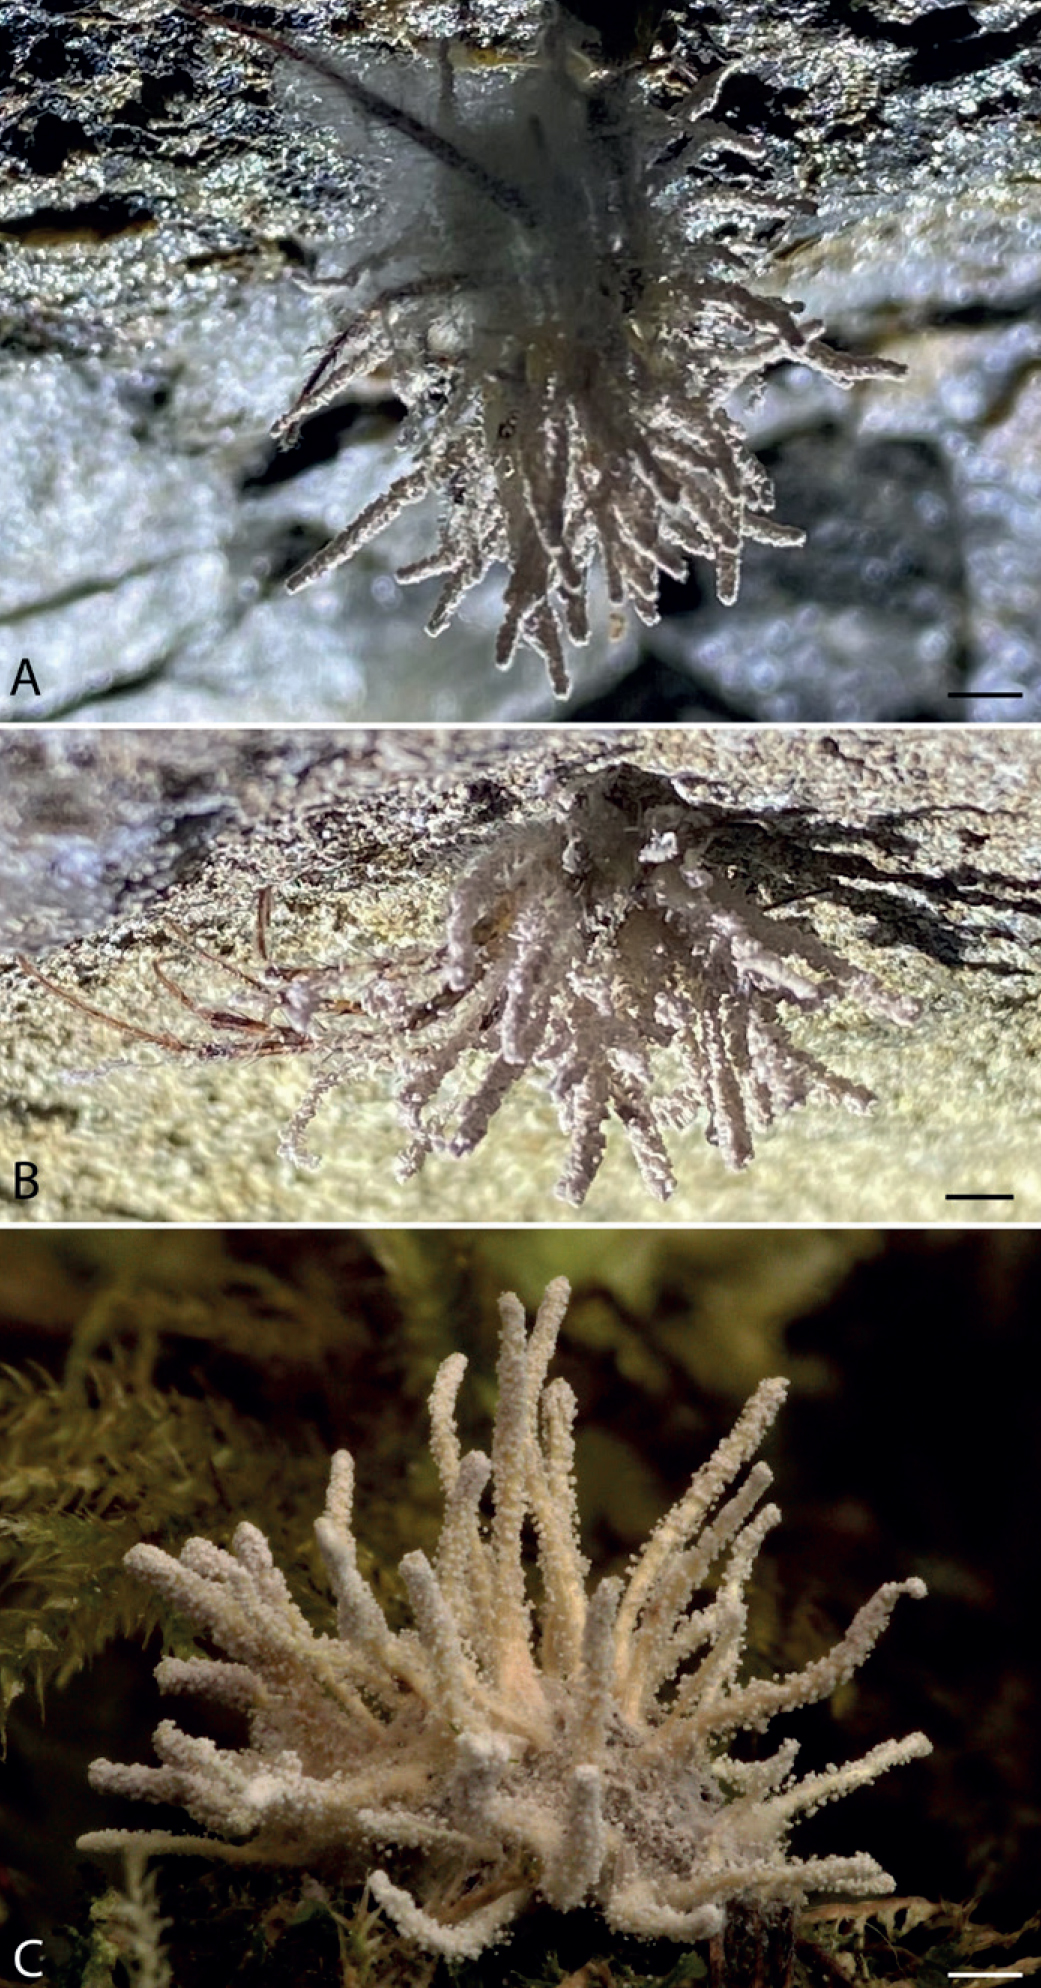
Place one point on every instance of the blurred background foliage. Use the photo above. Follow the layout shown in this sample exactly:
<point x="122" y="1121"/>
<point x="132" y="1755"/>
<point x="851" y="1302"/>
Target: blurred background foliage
<point x="158" y="1385"/>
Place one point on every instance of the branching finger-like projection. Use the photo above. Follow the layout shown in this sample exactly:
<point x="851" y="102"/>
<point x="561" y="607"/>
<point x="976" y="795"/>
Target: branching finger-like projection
<point x="565" y="304"/>
<point x="578" y="1748"/>
<point x="608" y="953"/>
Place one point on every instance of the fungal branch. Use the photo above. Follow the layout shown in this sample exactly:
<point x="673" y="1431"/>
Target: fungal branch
<point x="565" y="308"/>
<point x="574" y="1747"/>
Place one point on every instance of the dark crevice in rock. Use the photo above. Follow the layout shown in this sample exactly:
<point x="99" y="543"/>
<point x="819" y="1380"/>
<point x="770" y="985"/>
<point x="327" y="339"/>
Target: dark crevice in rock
<point x="753" y="103"/>
<point x="89" y="220"/>
<point x="944" y="42"/>
<point x="824" y="859"/>
<point x="939" y="27"/>
<point x="157" y="92"/>
<point x="28" y="1112"/>
<point x="319" y="441"/>
<point x="944" y="61"/>
<point x="982" y="314"/>
<point x="656" y="691"/>
<point x="47" y="145"/>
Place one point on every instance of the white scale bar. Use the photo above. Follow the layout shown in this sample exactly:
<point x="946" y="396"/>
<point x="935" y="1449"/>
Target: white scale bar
<point x="998" y="1974"/>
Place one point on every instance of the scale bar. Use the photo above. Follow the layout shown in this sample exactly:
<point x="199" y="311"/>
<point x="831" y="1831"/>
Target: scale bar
<point x="984" y="693"/>
<point x="979" y="1197"/>
<point x="999" y="1974"/>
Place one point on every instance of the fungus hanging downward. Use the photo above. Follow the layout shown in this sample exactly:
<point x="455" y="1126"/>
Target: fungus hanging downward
<point x="565" y="304"/>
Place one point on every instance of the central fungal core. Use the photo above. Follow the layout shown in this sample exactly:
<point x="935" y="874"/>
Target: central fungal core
<point x="528" y="1736"/>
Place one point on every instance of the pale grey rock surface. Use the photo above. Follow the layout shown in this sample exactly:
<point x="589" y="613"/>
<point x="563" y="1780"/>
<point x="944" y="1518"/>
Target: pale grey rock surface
<point x="140" y="505"/>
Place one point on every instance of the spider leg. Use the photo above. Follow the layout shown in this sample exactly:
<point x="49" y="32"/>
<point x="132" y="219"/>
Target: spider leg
<point x="271" y="987"/>
<point x="262" y="941"/>
<point x="327" y="378"/>
<point x="226" y="966"/>
<point x="502" y="194"/>
<point x="361" y="339"/>
<point x="265" y="904"/>
<point x="220" y="1018"/>
<point x="162" y="1040"/>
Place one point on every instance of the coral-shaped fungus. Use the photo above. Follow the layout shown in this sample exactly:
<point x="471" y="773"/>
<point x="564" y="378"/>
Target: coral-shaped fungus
<point x="577" y="1747"/>
<point x="608" y="952"/>
<point x="562" y="299"/>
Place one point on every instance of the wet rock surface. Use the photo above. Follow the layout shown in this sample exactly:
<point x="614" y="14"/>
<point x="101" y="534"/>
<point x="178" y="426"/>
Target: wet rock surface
<point x="163" y="216"/>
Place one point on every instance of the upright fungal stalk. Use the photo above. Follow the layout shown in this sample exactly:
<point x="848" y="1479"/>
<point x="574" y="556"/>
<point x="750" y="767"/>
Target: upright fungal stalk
<point x="574" y="1745"/>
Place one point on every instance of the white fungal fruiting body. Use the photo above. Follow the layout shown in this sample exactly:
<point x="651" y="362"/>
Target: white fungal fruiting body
<point x="564" y="311"/>
<point x="577" y="1747"/>
<point x="609" y="953"/>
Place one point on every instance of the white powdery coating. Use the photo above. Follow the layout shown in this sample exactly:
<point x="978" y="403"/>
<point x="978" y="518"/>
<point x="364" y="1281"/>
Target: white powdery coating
<point x="582" y="948"/>
<point x="576" y="1748"/>
<point x="564" y="317"/>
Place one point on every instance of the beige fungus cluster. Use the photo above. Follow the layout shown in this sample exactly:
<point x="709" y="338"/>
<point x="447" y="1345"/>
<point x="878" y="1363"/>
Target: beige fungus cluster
<point x="588" y="1763"/>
